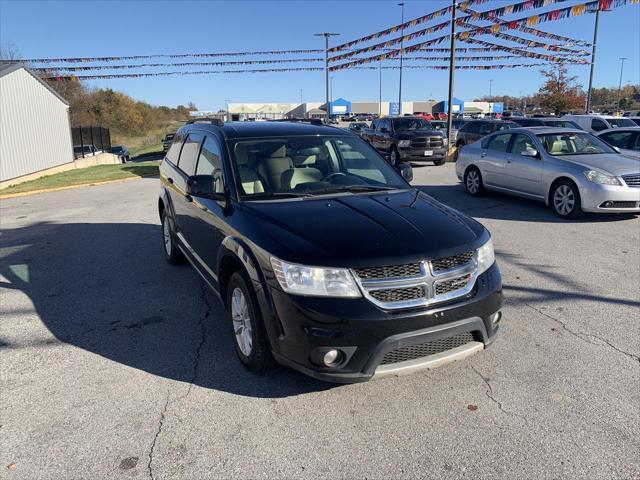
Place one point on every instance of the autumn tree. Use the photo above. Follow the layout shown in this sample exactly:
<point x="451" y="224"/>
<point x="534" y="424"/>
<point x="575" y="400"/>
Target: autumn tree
<point x="560" y="92"/>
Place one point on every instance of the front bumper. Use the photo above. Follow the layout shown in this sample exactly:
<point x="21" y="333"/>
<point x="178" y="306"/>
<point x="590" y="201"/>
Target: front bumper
<point x="308" y="326"/>
<point x="594" y="196"/>
<point x="418" y="153"/>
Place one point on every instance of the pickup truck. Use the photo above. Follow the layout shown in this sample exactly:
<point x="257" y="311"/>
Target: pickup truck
<point x="406" y="138"/>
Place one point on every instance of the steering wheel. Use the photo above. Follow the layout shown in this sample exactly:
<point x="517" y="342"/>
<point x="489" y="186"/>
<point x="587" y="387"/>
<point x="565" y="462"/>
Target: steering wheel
<point x="334" y="174"/>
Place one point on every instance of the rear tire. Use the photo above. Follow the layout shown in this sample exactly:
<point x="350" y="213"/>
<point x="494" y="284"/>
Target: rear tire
<point x="247" y="327"/>
<point x="473" y="182"/>
<point x="172" y="253"/>
<point x="458" y="148"/>
<point x="439" y="162"/>
<point x="565" y="200"/>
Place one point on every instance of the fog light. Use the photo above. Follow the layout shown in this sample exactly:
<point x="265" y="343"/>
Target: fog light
<point x="332" y="357"/>
<point x="495" y="318"/>
<point x="608" y="204"/>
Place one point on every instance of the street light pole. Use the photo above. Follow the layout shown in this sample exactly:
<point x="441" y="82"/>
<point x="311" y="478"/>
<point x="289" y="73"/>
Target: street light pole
<point x="490" y="89"/>
<point x="587" y="107"/>
<point x="380" y="90"/>
<point x="452" y="65"/>
<point x="622" y="59"/>
<point x="326" y="36"/>
<point x="300" y="96"/>
<point x="401" y="5"/>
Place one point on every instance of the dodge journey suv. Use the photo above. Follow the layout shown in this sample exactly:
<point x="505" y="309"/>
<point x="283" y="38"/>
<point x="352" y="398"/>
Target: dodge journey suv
<point x="325" y="258"/>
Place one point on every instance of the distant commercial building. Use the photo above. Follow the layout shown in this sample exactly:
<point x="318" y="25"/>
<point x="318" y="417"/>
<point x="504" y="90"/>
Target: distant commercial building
<point x="35" y="133"/>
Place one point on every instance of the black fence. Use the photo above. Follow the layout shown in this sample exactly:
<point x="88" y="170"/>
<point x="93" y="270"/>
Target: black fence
<point x="90" y="141"/>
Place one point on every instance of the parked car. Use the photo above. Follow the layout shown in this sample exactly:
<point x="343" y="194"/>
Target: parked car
<point x="473" y="130"/>
<point x="545" y="122"/>
<point x="626" y="140"/>
<point x="597" y="123"/>
<point x="324" y="257"/>
<point x="85" y="151"/>
<point x="166" y="141"/>
<point x="357" y="127"/>
<point x="122" y="152"/>
<point x="407" y="138"/>
<point x="570" y="170"/>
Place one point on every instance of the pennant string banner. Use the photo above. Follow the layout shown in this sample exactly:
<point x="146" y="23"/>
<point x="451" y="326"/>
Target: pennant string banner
<point x="553" y="15"/>
<point x="272" y="70"/>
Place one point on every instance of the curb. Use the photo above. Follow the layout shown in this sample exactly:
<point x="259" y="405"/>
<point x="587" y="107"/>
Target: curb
<point x="71" y="187"/>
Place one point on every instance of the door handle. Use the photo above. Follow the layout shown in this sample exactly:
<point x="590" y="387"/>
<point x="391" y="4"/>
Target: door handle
<point x="188" y="198"/>
<point x="170" y="180"/>
<point x="508" y="161"/>
<point x="482" y="155"/>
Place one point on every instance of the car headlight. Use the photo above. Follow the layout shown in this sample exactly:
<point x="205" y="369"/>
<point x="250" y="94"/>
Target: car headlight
<point x="486" y="257"/>
<point x="601" y="178"/>
<point x="404" y="143"/>
<point x="315" y="281"/>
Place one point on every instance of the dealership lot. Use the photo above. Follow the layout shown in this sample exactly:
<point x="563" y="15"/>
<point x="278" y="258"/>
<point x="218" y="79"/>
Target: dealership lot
<point x="116" y="364"/>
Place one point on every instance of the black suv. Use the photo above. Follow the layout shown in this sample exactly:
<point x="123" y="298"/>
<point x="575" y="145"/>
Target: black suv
<point x="325" y="258"/>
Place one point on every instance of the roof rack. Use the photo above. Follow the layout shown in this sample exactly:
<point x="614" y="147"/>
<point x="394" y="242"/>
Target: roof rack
<point x="213" y="121"/>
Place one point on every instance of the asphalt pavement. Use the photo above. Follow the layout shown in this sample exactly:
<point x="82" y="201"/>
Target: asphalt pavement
<point x="115" y="364"/>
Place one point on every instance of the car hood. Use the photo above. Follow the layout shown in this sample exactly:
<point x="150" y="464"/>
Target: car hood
<point x="635" y="154"/>
<point x="613" y="163"/>
<point x="419" y="133"/>
<point x="358" y="230"/>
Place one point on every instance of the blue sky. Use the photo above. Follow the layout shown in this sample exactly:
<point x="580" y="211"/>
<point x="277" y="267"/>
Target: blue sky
<point x="96" y="28"/>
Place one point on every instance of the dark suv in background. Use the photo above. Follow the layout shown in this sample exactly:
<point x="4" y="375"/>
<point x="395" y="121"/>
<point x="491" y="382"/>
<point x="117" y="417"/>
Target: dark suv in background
<point x="407" y="138"/>
<point x="325" y="258"/>
<point x="476" y="129"/>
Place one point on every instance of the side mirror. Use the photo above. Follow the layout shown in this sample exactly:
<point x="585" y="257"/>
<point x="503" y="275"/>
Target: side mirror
<point x="406" y="171"/>
<point x="529" y="152"/>
<point x="200" y="186"/>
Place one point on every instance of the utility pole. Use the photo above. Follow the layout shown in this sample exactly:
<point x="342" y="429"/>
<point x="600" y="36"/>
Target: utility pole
<point x="452" y="66"/>
<point x="587" y="107"/>
<point x="380" y="90"/>
<point x="300" y="96"/>
<point x="622" y="59"/>
<point x="226" y="103"/>
<point x="401" y="5"/>
<point x="326" y="36"/>
<point x="490" y="89"/>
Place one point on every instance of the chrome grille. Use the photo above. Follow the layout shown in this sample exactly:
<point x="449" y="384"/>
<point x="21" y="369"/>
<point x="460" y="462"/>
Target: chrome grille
<point x="452" y="285"/>
<point x="425" y="349"/>
<point x="632" y="180"/>
<point x="419" y="284"/>
<point x="398" y="294"/>
<point x="454" y="261"/>
<point x="434" y="142"/>
<point x="394" y="271"/>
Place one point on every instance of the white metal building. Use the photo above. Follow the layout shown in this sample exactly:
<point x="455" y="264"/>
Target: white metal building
<point x="35" y="133"/>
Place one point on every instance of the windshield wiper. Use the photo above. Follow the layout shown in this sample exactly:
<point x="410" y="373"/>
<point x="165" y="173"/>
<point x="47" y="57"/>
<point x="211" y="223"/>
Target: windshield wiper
<point x="351" y="188"/>
<point x="276" y="195"/>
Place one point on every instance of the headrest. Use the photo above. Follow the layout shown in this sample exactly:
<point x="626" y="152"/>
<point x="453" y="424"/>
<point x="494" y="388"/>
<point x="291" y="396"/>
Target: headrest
<point x="280" y="152"/>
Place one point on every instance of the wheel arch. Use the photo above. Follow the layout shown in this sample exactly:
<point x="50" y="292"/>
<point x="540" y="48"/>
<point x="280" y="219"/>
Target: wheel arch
<point x="557" y="180"/>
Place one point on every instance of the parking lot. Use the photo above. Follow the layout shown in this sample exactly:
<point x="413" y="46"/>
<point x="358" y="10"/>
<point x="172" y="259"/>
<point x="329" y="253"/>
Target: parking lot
<point x="116" y="364"/>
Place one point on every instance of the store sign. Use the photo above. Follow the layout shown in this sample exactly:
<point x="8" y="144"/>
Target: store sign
<point x="394" y="108"/>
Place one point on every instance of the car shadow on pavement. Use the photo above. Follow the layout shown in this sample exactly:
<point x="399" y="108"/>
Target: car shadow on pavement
<point x="500" y="206"/>
<point x="106" y="288"/>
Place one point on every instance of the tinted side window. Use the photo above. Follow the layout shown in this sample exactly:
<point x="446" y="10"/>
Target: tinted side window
<point x="471" y="127"/>
<point x="499" y="143"/>
<point x="189" y="154"/>
<point x="598" y="124"/>
<point x="636" y="145"/>
<point x="485" y="128"/>
<point x="174" y="150"/>
<point x="210" y="163"/>
<point x="617" y="139"/>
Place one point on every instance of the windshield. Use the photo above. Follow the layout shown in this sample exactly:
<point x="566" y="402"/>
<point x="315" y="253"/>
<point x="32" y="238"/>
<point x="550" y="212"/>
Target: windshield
<point x="566" y="143"/>
<point x="620" y="122"/>
<point x="301" y="166"/>
<point x="410" y="124"/>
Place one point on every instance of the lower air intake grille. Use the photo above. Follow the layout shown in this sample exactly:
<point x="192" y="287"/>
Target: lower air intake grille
<point x="620" y="204"/>
<point x="425" y="349"/>
<point x="447" y="263"/>
<point x="397" y="294"/>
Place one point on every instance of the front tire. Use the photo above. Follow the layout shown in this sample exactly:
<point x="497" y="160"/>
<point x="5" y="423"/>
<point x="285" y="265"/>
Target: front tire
<point x="171" y="252"/>
<point x="565" y="200"/>
<point x="247" y="327"/>
<point x="394" y="156"/>
<point x="457" y="153"/>
<point x="473" y="182"/>
<point x="439" y="162"/>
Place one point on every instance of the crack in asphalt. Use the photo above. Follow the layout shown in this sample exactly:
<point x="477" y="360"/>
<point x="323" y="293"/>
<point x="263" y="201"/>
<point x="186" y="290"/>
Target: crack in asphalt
<point x="194" y="376"/>
<point x="489" y="393"/>
<point x="155" y="438"/>
<point x="584" y="336"/>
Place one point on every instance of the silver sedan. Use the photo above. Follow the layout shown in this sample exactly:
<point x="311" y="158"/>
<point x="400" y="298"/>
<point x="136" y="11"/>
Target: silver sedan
<point x="572" y="171"/>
